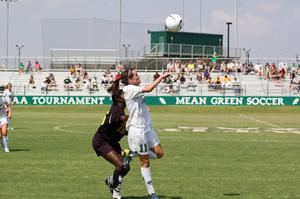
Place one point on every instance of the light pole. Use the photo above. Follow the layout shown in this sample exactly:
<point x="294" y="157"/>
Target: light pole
<point x="126" y="46"/>
<point x="120" y="32"/>
<point x="7" y="26"/>
<point x="19" y="52"/>
<point x="183" y="12"/>
<point x="228" y="36"/>
<point x="220" y="46"/>
<point x="236" y="36"/>
<point x="200" y="10"/>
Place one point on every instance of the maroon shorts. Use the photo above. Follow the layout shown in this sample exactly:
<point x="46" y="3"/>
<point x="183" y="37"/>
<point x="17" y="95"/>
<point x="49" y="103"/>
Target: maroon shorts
<point x="103" y="146"/>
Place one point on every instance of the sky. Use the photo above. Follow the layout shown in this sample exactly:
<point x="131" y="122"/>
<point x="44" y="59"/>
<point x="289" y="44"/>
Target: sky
<point x="270" y="28"/>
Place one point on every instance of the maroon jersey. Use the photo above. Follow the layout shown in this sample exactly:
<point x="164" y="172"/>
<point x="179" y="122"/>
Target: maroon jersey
<point x="112" y="128"/>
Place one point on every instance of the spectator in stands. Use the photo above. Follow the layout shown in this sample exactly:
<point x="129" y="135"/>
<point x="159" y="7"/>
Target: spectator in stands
<point x="72" y="71"/>
<point x="206" y="74"/>
<point x="52" y="80"/>
<point x="104" y="79"/>
<point x="89" y="85"/>
<point x="31" y="83"/>
<point x="235" y="83"/>
<point x="37" y="66"/>
<point x="260" y="72"/>
<point x="79" y="69"/>
<point x="21" y="68"/>
<point x="223" y="67"/>
<point x="218" y="85"/>
<point x="211" y="83"/>
<point x="214" y="60"/>
<point x="77" y="84"/>
<point x="110" y="78"/>
<point x="177" y="66"/>
<point x="282" y="73"/>
<point x="182" y="79"/>
<point x="191" y="85"/>
<point x="48" y="83"/>
<point x="44" y="86"/>
<point x="199" y="75"/>
<point x="191" y="67"/>
<point x="239" y="68"/>
<point x="85" y="78"/>
<point x="226" y="83"/>
<point x="169" y="86"/>
<point x="95" y="84"/>
<point x="294" y="86"/>
<point x="28" y="67"/>
<point x="68" y="83"/>
<point x="170" y="66"/>
<point x="176" y="86"/>
<point x="199" y="64"/>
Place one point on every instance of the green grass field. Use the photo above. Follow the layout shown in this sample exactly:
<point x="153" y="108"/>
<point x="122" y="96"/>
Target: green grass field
<point x="239" y="155"/>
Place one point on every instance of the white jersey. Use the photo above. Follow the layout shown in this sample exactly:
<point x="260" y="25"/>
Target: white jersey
<point x="2" y="108"/>
<point x="139" y="115"/>
<point x="8" y="96"/>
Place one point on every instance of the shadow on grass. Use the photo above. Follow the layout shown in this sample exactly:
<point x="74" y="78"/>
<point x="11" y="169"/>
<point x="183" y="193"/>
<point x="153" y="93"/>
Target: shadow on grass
<point x="231" y="194"/>
<point x="18" y="150"/>
<point x="146" y="197"/>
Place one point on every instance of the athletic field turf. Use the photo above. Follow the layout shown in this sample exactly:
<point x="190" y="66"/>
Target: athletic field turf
<point x="210" y="152"/>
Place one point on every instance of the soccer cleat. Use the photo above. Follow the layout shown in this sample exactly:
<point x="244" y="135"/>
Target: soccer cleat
<point x="116" y="194"/>
<point x="106" y="181"/>
<point x="6" y="150"/>
<point x="153" y="196"/>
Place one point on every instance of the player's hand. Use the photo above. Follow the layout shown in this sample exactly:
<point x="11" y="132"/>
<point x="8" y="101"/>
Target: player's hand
<point x="166" y="74"/>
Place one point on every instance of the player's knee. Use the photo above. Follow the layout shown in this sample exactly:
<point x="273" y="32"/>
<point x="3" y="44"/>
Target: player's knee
<point x="160" y="154"/>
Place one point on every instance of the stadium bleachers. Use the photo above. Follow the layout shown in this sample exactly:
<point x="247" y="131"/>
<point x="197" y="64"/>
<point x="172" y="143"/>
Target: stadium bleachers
<point x="250" y="85"/>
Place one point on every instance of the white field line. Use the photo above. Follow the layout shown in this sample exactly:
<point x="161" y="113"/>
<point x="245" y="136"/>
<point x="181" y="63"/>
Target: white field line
<point x="259" y="121"/>
<point x="63" y="128"/>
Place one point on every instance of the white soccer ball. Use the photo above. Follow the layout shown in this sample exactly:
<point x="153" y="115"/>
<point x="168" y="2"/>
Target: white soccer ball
<point x="174" y="23"/>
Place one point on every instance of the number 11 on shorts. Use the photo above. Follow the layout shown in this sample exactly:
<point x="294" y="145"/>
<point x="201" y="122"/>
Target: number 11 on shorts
<point x="143" y="148"/>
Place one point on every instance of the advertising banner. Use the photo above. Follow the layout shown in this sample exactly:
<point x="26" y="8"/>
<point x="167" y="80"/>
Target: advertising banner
<point x="162" y="100"/>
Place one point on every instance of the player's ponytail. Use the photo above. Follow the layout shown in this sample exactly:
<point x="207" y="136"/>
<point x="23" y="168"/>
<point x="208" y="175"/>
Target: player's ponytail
<point x="114" y="86"/>
<point x="126" y="75"/>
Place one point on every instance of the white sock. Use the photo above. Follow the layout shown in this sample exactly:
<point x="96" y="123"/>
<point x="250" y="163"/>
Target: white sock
<point x="5" y="141"/>
<point x="152" y="155"/>
<point x="117" y="190"/>
<point x="146" y="173"/>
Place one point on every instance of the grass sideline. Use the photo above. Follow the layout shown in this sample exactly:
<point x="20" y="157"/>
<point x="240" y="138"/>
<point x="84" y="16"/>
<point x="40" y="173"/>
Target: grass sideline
<point x="51" y="154"/>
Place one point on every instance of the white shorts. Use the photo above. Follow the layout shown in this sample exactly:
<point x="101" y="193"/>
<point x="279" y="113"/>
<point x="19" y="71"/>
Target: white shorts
<point x="140" y="140"/>
<point x="3" y="120"/>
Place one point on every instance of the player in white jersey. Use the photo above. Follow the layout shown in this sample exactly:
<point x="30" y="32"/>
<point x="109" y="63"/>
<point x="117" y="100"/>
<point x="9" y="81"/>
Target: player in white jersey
<point x="142" y="138"/>
<point x="4" y="113"/>
<point x="8" y="97"/>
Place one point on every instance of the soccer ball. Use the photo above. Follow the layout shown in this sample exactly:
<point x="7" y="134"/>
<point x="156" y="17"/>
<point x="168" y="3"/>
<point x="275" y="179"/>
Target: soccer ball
<point x="174" y="23"/>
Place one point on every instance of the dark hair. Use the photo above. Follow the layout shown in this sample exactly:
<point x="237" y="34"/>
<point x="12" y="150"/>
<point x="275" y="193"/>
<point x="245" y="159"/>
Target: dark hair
<point x="116" y="95"/>
<point x="114" y="89"/>
<point x="126" y="75"/>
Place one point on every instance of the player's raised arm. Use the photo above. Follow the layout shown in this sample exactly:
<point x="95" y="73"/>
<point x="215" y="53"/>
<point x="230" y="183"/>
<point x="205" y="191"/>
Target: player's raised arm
<point x="149" y="87"/>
